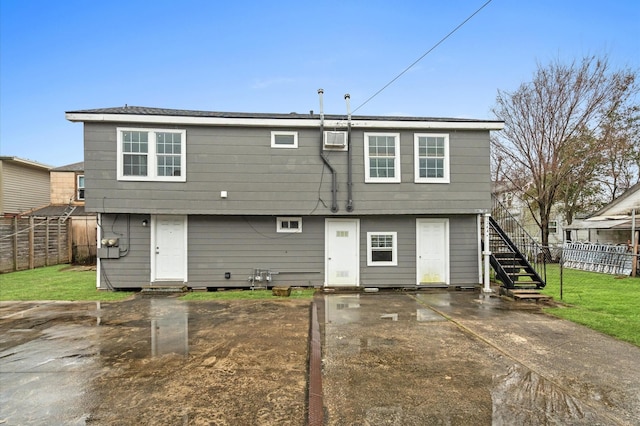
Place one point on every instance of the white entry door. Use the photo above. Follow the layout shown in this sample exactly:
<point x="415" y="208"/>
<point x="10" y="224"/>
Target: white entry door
<point x="342" y="253"/>
<point x="169" y="248"/>
<point x="432" y="251"/>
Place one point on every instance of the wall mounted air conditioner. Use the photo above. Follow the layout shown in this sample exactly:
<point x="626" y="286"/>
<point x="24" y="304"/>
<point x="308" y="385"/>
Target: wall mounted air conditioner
<point x="335" y="140"/>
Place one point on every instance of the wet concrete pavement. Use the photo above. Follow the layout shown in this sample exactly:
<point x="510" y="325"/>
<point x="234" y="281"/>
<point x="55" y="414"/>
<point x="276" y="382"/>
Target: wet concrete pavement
<point x="439" y="358"/>
<point x="457" y="358"/>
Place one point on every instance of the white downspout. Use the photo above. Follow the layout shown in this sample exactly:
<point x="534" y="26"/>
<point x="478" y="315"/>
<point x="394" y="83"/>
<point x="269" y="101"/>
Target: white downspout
<point x="487" y="254"/>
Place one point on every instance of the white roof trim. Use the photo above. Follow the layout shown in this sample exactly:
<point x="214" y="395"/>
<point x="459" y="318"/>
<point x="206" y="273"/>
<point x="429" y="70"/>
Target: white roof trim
<point x="280" y="122"/>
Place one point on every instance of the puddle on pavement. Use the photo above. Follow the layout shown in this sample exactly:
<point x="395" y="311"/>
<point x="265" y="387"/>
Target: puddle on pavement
<point x="402" y="362"/>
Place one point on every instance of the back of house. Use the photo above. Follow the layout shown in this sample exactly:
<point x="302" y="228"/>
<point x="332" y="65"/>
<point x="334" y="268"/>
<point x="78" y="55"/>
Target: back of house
<point x="222" y="200"/>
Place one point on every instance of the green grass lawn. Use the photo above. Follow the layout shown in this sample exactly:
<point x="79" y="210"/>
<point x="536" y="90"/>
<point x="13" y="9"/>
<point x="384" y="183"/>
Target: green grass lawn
<point x="605" y="303"/>
<point x="61" y="282"/>
<point x="54" y="283"/>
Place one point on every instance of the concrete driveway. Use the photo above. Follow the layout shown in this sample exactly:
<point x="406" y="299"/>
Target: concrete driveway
<point x="423" y="358"/>
<point x="458" y="358"/>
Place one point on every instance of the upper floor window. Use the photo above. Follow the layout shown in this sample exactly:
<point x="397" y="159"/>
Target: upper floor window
<point x="80" y="188"/>
<point x="151" y="154"/>
<point x="284" y="139"/>
<point x="553" y="226"/>
<point x="431" y="158"/>
<point x="382" y="157"/>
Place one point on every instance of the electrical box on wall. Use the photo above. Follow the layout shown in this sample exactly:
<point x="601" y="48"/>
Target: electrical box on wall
<point x="108" y="253"/>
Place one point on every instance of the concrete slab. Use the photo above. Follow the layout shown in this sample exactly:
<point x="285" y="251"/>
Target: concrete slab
<point x="463" y="358"/>
<point x="391" y="358"/>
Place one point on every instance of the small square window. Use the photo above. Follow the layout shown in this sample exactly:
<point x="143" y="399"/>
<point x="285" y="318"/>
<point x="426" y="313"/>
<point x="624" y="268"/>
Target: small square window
<point x="284" y="139"/>
<point x="382" y="249"/>
<point x="289" y="224"/>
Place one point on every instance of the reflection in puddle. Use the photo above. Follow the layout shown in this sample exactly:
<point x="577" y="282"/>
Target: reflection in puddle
<point x="523" y="397"/>
<point x="342" y="309"/>
<point x="169" y="327"/>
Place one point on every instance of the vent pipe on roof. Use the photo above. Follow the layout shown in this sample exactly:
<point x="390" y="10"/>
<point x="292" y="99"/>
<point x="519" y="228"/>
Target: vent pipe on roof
<point x="347" y="98"/>
<point x="325" y="160"/>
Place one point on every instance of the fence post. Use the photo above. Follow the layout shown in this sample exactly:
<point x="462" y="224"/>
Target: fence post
<point x="32" y="242"/>
<point x="70" y="240"/>
<point x="15" y="243"/>
<point x="487" y="254"/>
<point x="46" y="243"/>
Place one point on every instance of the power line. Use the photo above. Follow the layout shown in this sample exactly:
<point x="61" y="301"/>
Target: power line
<point x="425" y="54"/>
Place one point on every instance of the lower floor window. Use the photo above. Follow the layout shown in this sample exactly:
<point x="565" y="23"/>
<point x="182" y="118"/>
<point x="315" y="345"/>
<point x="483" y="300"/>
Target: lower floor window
<point x="289" y="224"/>
<point x="382" y="249"/>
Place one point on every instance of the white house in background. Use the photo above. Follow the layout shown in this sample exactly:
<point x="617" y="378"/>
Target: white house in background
<point x="613" y="224"/>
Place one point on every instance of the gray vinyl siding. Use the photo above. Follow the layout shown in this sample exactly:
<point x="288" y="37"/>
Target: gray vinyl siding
<point x="132" y="269"/>
<point x="239" y="245"/>
<point x="261" y="180"/>
<point x="463" y="251"/>
<point x="23" y="188"/>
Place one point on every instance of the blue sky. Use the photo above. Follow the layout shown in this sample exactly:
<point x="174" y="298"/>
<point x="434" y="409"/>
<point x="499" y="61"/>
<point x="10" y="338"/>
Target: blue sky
<point x="272" y="56"/>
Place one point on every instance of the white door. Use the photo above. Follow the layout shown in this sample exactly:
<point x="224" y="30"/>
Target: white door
<point x="432" y="251"/>
<point x="342" y="254"/>
<point x="169" y="249"/>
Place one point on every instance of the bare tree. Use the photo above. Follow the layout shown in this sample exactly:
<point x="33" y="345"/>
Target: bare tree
<point x="543" y="145"/>
<point x="620" y="143"/>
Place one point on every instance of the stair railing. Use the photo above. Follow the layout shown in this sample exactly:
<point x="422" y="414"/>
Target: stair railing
<point x="537" y="255"/>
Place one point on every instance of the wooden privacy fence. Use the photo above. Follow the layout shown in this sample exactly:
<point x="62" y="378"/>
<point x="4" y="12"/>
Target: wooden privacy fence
<point x="604" y="258"/>
<point x="27" y="243"/>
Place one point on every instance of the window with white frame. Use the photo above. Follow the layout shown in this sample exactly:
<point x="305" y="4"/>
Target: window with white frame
<point x="382" y="249"/>
<point x="553" y="226"/>
<point x="80" y="188"/>
<point x="431" y="158"/>
<point x="151" y="154"/>
<point x="382" y="157"/>
<point x="280" y="139"/>
<point x="289" y="224"/>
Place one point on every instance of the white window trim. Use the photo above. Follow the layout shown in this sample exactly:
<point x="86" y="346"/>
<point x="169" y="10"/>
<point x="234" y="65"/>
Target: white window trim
<point x="78" y="188"/>
<point x="367" y="169"/>
<point x="279" y="132"/>
<point x="394" y="250"/>
<point x="151" y="156"/>
<point x="280" y="229"/>
<point x="416" y="158"/>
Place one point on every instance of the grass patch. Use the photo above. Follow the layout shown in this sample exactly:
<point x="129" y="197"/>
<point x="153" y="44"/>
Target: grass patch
<point x="304" y="293"/>
<point x="605" y="303"/>
<point x="54" y="283"/>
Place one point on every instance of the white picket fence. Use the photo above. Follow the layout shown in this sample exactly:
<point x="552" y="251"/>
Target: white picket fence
<point x="604" y="258"/>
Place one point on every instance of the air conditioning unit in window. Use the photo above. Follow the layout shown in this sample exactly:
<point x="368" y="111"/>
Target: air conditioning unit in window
<point x="336" y="140"/>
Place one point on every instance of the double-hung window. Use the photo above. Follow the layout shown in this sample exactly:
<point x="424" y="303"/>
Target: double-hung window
<point x="431" y="158"/>
<point x="80" y="188"/>
<point x="382" y="249"/>
<point x="382" y="157"/>
<point x="151" y="154"/>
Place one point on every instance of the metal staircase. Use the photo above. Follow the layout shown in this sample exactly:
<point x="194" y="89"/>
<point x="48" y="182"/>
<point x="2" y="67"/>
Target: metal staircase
<point x="517" y="259"/>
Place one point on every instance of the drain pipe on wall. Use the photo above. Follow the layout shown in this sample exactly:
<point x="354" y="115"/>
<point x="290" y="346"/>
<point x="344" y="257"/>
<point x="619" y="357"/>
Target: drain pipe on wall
<point x="347" y="98"/>
<point x="325" y="160"/>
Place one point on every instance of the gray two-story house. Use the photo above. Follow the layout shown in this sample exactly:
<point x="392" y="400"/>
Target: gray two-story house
<point x="222" y="200"/>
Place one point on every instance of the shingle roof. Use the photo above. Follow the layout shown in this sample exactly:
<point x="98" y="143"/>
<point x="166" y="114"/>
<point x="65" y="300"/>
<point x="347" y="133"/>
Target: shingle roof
<point x="57" y="210"/>
<point x="141" y="110"/>
<point x="75" y="167"/>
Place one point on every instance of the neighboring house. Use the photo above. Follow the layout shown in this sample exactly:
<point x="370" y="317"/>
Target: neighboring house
<point x="613" y="223"/>
<point x="521" y="213"/>
<point x="67" y="203"/>
<point x="24" y="185"/>
<point x="215" y="199"/>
